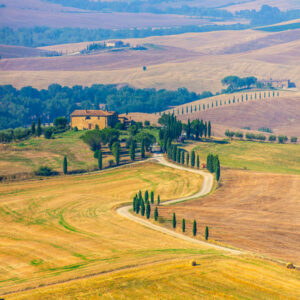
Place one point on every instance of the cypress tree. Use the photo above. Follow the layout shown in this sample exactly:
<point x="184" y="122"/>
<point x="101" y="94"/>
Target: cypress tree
<point x="206" y="233"/>
<point x="100" y="160"/>
<point x="116" y="152"/>
<point x="194" y="228"/>
<point x="218" y="172"/>
<point x="205" y="129"/>
<point x="134" y="203"/>
<point x="198" y="162"/>
<point x="174" y="220"/>
<point x="152" y="197"/>
<point x="33" y="128"/>
<point x="65" y="165"/>
<point x="178" y="155"/>
<point x="158" y="200"/>
<point x="39" y="128"/>
<point x="174" y="151"/>
<point x="209" y="129"/>
<point x="188" y="129"/>
<point x="146" y="196"/>
<point x="132" y="151"/>
<point x="140" y="194"/>
<point x="193" y="158"/>
<point x="138" y="205"/>
<point x="143" y="149"/>
<point x="142" y="208"/>
<point x="187" y="159"/>
<point x="182" y="157"/>
<point x="183" y="225"/>
<point x="156" y="214"/>
<point x="148" y="210"/>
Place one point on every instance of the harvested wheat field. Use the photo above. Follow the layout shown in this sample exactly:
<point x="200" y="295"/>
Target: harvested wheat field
<point x="66" y="227"/>
<point x="253" y="211"/>
<point x="214" y="277"/>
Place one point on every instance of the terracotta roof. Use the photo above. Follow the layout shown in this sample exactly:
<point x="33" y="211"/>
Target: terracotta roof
<point x="85" y="112"/>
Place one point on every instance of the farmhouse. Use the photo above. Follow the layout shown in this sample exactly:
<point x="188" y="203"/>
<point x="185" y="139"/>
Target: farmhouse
<point x="89" y="119"/>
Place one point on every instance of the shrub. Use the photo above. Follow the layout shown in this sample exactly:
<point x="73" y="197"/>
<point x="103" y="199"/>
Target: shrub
<point x="45" y="171"/>
<point x="272" y="138"/>
<point x="75" y="128"/>
<point x="294" y="139"/>
<point x="60" y="122"/>
<point x="229" y="133"/>
<point x="21" y="133"/>
<point x="282" y="139"/>
<point x="239" y="134"/>
<point x="263" y="129"/>
<point x="48" y="132"/>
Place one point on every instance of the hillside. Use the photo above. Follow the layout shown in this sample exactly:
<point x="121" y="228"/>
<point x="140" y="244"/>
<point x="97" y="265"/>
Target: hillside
<point x="253" y="211"/>
<point x="197" y="61"/>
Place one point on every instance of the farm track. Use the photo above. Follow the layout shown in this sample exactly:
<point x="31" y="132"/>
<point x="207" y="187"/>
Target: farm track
<point x="206" y="188"/>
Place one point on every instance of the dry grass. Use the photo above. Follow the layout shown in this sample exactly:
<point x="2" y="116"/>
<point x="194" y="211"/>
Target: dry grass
<point x="215" y="277"/>
<point x="66" y="227"/>
<point x="252" y="211"/>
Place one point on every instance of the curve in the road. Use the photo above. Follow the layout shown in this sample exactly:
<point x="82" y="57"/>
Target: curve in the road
<point x="206" y="188"/>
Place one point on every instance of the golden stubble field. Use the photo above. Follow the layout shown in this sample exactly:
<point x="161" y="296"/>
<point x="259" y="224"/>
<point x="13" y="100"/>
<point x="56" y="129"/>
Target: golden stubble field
<point x="66" y="227"/>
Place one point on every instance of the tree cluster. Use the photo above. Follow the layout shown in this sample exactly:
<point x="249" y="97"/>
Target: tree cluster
<point x="142" y="204"/>
<point x="213" y="165"/>
<point x="19" y="108"/>
<point x="236" y="83"/>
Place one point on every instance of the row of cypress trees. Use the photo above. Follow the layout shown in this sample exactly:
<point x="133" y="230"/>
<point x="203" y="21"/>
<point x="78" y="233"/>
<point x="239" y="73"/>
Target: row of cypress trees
<point x="213" y="165"/>
<point x="182" y="157"/>
<point x="183" y="224"/>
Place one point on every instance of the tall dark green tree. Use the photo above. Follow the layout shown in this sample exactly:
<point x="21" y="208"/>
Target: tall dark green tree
<point x="193" y="158"/>
<point x="174" y="220"/>
<point x="158" y="200"/>
<point x="143" y="148"/>
<point x="116" y="152"/>
<point x="148" y="210"/>
<point x="39" y="127"/>
<point x="182" y="157"/>
<point x="33" y="128"/>
<point x="142" y="208"/>
<point x="198" y="162"/>
<point x="206" y="233"/>
<point x="138" y="205"/>
<point x="209" y="129"/>
<point x="218" y="172"/>
<point x="156" y="214"/>
<point x="183" y="225"/>
<point x="178" y="155"/>
<point x="194" y="228"/>
<point x="187" y="159"/>
<point x="205" y="129"/>
<point x="188" y="129"/>
<point x="100" y="160"/>
<point x="132" y="150"/>
<point x="65" y="165"/>
<point x="174" y="152"/>
<point x="146" y="196"/>
<point x="152" y="197"/>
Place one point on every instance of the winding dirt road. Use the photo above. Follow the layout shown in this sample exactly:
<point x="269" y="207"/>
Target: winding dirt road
<point x="206" y="188"/>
